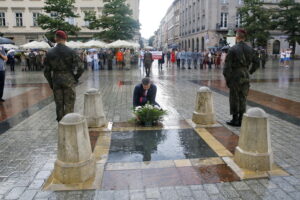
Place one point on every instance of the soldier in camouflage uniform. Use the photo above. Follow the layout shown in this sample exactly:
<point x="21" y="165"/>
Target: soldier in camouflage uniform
<point x="63" y="67"/>
<point x="237" y="72"/>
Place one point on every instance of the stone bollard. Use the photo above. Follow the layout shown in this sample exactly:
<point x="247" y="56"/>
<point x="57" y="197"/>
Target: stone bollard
<point x="75" y="162"/>
<point x="204" y="110"/>
<point x="93" y="108"/>
<point x="254" y="150"/>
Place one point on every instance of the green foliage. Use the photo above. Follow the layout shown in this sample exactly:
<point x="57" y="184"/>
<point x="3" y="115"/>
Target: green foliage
<point x="116" y="22"/>
<point x="287" y="19"/>
<point x="149" y="113"/>
<point x="60" y="11"/>
<point x="256" y="20"/>
<point x="151" y="40"/>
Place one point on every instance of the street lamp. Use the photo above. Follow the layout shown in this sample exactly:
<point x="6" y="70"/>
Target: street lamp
<point x="230" y="38"/>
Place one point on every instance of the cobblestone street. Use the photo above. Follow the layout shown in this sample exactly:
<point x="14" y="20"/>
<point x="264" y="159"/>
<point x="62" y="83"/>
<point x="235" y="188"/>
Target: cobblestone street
<point x="28" y="136"/>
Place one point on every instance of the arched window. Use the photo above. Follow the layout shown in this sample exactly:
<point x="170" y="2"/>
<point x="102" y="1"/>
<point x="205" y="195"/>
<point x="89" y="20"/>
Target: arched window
<point x="276" y="47"/>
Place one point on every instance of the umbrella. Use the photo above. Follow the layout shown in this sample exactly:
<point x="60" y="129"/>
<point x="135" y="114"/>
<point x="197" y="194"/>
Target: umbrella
<point x="11" y="51"/>
<point x="94" y="44"/>
<point x="74" y="45"/>
<point x="4" y="40"/>
<point x="9" y="46"/>
<point x="36" y="45"/>
<point x="123" y="44"/>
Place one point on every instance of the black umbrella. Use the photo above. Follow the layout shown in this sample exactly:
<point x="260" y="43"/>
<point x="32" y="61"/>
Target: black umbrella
<point x="6" y="41"/>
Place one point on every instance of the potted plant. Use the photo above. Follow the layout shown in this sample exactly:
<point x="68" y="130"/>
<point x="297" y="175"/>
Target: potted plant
<point x="148" y="115"/>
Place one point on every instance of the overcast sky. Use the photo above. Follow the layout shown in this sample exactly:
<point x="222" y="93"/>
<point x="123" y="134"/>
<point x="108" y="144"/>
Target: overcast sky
<point x="151" y="13"/>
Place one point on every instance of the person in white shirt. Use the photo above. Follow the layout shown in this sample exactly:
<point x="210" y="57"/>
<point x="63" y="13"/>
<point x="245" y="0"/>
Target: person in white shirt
<point x="288" y="53"/>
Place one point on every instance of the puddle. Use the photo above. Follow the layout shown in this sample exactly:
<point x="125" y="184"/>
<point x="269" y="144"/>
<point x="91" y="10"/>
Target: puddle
<point x="154" y="145"/>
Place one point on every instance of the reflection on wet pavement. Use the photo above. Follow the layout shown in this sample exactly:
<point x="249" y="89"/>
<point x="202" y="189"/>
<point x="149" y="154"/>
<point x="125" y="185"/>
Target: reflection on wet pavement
<point x="153" y="145"/>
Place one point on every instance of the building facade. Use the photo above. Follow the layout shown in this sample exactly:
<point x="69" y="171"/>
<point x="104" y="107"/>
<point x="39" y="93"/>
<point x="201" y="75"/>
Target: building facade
<point x="18" y="18"/>
<point x="205" y="23"/>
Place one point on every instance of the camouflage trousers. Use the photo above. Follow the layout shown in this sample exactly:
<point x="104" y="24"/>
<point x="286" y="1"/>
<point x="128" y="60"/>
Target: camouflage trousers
<point x="64" y="99"/>
<point x="238" y="98"/>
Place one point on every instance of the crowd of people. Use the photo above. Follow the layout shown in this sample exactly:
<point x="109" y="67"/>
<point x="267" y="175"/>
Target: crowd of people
<point x="206" y="59"/>
<point x="98" y="59"/>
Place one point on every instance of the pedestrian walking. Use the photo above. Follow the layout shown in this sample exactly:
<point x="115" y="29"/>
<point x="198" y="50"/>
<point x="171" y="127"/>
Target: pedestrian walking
<point x="3" y="59"/>
<point x="127" y="59"/>
<point x="161" y="61"/>
<point x="110" y="57"/>
<point x="282" y="57"/>
<point x="288" y="53"/>
<point x="168" y="58"/>
<point x="263" y="58"/>
<point x="148" y="60"/>
<point x="120" y="59"/>
<point x="11" y="61"/>
<point x="195" y="59"/>
<point x="241" y="61"/>
<point x="189" y="58"/>
<point x="182" y="59"/>
<point x="173" y="57"/>
<point x="178" y="55"/>
<point x="63" y="68"/>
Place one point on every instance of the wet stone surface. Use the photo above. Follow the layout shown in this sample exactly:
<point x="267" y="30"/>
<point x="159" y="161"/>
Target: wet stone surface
<point x="154" y="145"/>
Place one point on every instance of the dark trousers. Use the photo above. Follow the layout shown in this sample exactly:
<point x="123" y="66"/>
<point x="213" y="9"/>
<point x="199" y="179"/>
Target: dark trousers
<point x="148" y="69"/>
<point x="12" y="66"/>
<point x="109" y="64"/>
<point x="178" y="63"/>
<point x="2" y="81"/>
<point x="238" y="98"/>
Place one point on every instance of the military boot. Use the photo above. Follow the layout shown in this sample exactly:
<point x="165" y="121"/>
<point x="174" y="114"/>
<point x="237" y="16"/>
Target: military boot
<point x="241" y="118"/>
<point x="235" y="121"/>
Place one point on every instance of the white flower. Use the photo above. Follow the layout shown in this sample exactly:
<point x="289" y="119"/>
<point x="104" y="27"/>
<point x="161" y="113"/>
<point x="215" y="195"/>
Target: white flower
<point x="138" y="107"/>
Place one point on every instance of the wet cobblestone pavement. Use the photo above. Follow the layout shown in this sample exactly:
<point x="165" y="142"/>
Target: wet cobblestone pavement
<point x="28" y="140"/>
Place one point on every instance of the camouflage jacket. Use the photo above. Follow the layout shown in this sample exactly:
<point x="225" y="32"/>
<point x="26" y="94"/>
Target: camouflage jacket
<point x="63" y="66"/>
<point x="241" y="61"/>
<point x="148" y="57"/>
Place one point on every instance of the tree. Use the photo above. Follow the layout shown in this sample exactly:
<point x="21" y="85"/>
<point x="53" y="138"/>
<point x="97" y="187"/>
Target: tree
<point x="60" y="11"/>
<point x="256" y="20"/>
<point x="141" y="42"/>
<point x="287" y="19"/>
<point x="151" y="40"/>
<point x="116" y="22"/>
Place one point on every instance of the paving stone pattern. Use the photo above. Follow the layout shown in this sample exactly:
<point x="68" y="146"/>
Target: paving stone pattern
<point x="28" y="150"/>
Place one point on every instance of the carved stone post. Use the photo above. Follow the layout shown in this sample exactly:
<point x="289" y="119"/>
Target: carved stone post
<point x="75" y="162"/>
<point x="93" y="108"/>
<point x="204" y="110"/>
<point x="254" y="150"/>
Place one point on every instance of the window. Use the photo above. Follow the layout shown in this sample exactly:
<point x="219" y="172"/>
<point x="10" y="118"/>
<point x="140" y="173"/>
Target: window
<point x="19" y="19"/>
<point x="223" y="23"/>
<point x="71" y="20"/>
<point x="224" y="1"/>
<point x="2" y="19"/>
<point x="241" y="2"/>
<point x="35" y="16"/>
<point x="53" y="14"/>
<point x="238" y="20"/>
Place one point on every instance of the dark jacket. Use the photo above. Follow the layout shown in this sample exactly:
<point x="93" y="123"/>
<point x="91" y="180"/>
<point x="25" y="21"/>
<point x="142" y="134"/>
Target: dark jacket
<point x="241" y="61"/>
<point x="138" y="96"/>
<point x="63" y="66"/>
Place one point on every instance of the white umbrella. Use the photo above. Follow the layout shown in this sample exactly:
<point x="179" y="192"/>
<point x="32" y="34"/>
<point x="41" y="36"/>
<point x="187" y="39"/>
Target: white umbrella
<point x="36" y="45"/>
<point x="75" y="45"/>
<point x="9" y="46"/>
<point x="94" y="44"/>
<point x="123" y="44"/>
